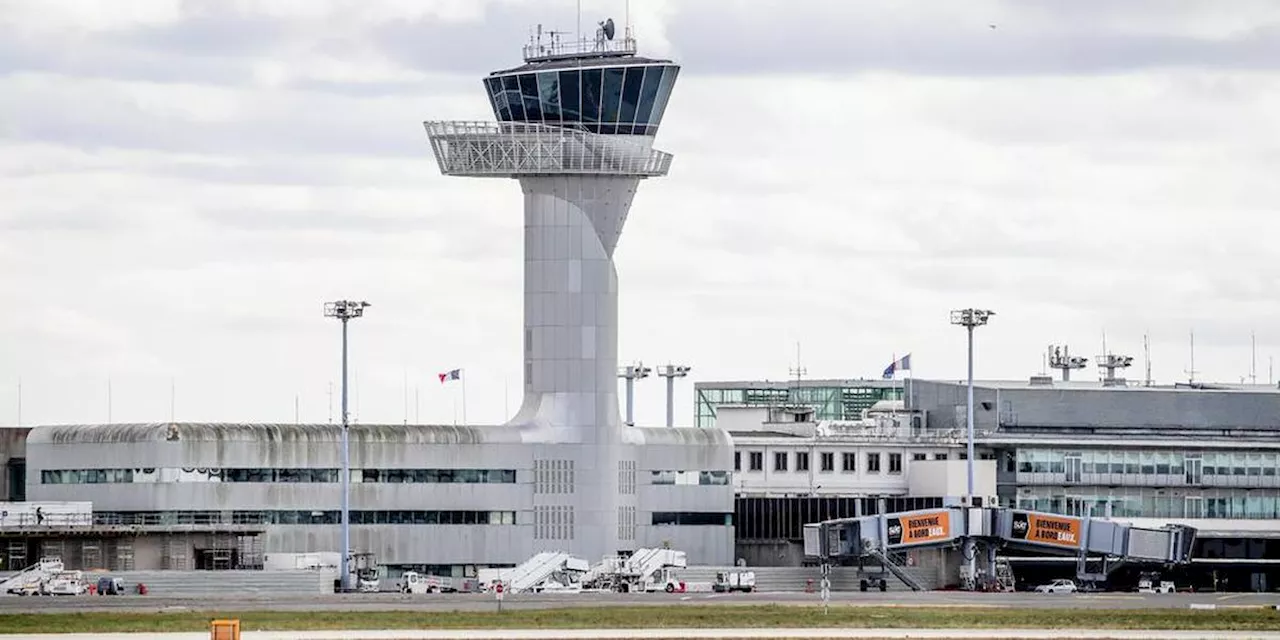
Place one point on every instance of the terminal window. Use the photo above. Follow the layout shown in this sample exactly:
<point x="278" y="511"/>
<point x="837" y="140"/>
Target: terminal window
<point x="802" y="461"/>
<point x="873" y="463"/>
<point x="828" y="461"/>
<point x="780" y="461"/>
<point x="756" y="460"/>
<point x="848" y="462"/>
<point x="895" y="463"/>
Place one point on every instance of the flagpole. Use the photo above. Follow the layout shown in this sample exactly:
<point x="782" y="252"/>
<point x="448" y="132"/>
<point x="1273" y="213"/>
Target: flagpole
<point x="463" y="375"/>
<point x="911" y="384"/>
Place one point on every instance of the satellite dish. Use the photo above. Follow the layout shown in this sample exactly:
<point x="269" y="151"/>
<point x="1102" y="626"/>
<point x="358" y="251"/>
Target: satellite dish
<point x="608" y="28"/>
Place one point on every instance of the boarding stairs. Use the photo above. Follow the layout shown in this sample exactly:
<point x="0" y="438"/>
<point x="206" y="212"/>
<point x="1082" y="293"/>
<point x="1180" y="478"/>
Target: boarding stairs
<point x="541" y="568"/>
<point x="893" y="566"/>
<point x="30" y="580"/>
<point x="644" y="563"/>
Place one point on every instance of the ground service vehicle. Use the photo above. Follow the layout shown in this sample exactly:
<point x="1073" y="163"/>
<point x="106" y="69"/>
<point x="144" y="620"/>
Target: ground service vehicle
<point x="414" y="582"/>
<point x="729" y="581"/>
<point x="1151" y="583"/>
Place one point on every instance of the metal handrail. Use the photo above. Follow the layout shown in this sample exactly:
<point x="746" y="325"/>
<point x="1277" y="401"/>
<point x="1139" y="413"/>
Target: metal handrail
<point x="507" y="149"/>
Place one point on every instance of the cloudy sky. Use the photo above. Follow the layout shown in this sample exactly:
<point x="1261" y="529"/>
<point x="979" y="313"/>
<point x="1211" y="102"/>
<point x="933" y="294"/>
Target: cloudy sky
<point x="183" y="183"/>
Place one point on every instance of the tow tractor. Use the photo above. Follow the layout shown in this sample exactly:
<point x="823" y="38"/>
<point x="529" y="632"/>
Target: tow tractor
<point x="366" y="572"/>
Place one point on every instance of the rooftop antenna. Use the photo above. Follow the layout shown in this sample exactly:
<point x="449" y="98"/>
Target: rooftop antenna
<point x="1253" y="357"/>
<point x="799" y="371"/>
<point x="1191" y="373"/>
<point x="1146" y="357"/>
<point x="1060" y="358"/>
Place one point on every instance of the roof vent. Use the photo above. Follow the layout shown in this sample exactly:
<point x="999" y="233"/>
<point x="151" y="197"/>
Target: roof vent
<point x="1042" y="381"/>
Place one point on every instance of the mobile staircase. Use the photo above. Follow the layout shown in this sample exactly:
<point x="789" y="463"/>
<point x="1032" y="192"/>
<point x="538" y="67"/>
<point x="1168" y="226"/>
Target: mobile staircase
<point x="892" y="566"/>
<point x="548" y="568"/>
<point x="649" y="569"/>
<point x="31" y="580"/>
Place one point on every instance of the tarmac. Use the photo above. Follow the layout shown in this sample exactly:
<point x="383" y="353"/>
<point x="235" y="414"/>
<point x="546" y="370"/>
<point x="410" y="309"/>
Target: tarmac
<point x="356" y="602"/>
<point x="694" y="634"/>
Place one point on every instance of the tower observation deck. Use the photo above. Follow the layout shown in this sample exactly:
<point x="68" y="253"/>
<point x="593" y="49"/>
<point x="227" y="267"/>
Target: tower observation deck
<point x="575" y="125"/>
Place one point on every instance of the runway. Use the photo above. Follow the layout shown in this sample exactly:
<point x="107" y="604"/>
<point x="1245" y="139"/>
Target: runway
<point x="483" y="602"/>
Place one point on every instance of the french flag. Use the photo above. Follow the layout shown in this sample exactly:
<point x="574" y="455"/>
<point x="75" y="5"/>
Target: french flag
<point x="901" y="364"/>
<point x="455" y="374"/>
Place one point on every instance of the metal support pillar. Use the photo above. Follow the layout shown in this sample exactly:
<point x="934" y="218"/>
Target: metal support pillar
<point x="671" y="405"/>
<point x="631" y="393"/>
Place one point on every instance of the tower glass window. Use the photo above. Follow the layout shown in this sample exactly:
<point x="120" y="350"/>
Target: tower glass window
<point x="628" y="99"/>
<point x="549" y="96"/>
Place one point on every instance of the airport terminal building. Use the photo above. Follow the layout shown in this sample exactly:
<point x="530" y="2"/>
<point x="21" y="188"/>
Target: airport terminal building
<point x="574" y="129"/>
<point x="1206" y="455"/>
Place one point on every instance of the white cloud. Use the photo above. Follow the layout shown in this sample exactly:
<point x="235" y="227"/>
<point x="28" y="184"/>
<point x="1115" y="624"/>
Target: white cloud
<point x="186" y="185"/>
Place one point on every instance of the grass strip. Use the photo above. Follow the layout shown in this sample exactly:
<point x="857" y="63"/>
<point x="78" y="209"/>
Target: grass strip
<point x="734" y="617"/>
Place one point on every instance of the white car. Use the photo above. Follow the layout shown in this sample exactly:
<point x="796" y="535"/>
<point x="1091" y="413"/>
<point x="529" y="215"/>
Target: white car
<point x="1058" y="586"/>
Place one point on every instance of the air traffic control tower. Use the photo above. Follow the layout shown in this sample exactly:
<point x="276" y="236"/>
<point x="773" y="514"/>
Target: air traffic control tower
<point x="575" y="125"/>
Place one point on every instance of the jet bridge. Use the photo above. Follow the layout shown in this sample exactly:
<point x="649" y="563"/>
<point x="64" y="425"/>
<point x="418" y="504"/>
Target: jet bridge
<point x="880" y="536"/>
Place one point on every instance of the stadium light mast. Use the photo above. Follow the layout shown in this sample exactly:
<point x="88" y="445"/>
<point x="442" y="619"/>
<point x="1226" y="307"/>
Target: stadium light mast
<point x="671" y="372"/>
<point x="345" y="310"/>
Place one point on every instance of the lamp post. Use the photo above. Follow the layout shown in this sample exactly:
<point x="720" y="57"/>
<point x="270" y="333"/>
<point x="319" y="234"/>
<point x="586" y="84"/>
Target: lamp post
<point x="970" y="318"/>
<point x="345" y="310"/>
<point x="671" y="372"/>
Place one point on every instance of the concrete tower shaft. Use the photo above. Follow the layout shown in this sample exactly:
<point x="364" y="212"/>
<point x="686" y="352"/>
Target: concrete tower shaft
<point x="572" y="225"/>
<point x="577" y="132"/>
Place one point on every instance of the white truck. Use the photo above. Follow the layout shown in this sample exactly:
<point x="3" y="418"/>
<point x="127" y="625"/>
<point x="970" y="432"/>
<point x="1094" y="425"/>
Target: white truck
<point x="414" y="582"/>
<point x="66" y="583"/>
<point x="1151" y="583"/>
<point x="730" y="581"/>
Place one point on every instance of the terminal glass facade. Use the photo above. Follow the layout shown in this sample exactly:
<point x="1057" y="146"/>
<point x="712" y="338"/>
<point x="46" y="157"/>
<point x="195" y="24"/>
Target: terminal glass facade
<point x="843" y="402"/>
<point x="304" y="517"/>
<point x="1149" y="483"/>
<point x="616" y="100"/>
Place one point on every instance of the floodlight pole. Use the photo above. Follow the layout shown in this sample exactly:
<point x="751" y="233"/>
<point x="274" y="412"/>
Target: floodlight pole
<point x="345" y="310"/>
<point x="631" y="373"/>
<point x="671" y="372"/>
<point x="969" y="319"/>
